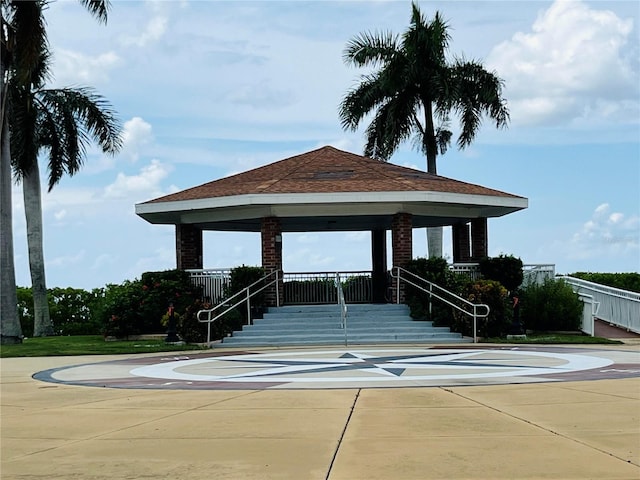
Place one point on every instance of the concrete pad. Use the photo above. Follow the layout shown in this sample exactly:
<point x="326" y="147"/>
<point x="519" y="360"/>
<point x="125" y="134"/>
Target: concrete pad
<point x="420" y="423"/>
<point x="568" y="430"/>
<point x="545" y="394"/>
<point x="410" y="398"/>
<point x="627" y="387"/>
<point x="475" y="457"/>
<point x="287" y="399"/>
<point x="117" y="459"/>
<point x="245" y="423"/>
<point x="76" y="424"/>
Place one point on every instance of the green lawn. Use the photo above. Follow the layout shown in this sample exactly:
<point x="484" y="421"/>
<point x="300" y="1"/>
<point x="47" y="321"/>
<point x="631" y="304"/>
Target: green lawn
<point x="86" y="345"/>
<point x="96" y="345"/>
<point x="553" y="338"/>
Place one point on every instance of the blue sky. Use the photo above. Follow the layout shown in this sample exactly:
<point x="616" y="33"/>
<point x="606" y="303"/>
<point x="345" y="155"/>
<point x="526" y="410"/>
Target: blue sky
<point x="206" y="89"/>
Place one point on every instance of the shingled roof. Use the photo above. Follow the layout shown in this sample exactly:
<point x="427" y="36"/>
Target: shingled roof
<point x="328" y="170"/>
<point x="328" y="189"/>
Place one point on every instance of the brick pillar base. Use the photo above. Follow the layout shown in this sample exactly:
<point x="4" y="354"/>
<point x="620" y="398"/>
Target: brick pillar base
<point x="461" y="243"/>
<point x="402" y="243"/>
<point x="272" y="256"/>
<point x="188" y="247"/>
<point x="479" y="239"/>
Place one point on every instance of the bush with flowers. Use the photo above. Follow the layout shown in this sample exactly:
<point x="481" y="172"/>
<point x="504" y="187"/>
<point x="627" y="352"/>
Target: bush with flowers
<point x="138" y="306"/>
<point x="493" y="294"/>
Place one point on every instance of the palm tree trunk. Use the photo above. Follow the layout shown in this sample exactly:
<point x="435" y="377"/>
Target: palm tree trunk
<point x="434" y="234"/>
<point x="33" y="213"/>
<point x="10" y="329"/>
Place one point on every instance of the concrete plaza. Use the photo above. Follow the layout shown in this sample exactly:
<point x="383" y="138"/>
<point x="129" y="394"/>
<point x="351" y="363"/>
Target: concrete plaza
<point x="552" y="430"/>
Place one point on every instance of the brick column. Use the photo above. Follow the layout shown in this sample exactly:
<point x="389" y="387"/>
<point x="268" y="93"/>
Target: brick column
<point x="402" y="244"/>
<point x="461" y="243"/>
<point x="188" y="247"/>
<point x="272" y="255"/>
<point x="479" y="240"/>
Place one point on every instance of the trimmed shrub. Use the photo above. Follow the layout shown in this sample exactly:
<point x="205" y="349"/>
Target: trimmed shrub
<point x="505" y="269"/>
<point x="434" y="270"/>
<point x="138" y="306"/>
<point x="495" y="295"/>
<point x="552" y="306"/>
<point x="626" y="281"/>
<point x="310" y="291"/>
<point x="240" y="278"/>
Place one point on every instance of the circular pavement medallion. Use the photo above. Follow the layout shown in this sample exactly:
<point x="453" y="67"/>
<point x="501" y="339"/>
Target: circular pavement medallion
<point x="357" y="367"/>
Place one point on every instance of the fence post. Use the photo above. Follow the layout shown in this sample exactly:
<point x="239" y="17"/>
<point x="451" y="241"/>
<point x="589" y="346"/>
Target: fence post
<point x="475" y="324"/>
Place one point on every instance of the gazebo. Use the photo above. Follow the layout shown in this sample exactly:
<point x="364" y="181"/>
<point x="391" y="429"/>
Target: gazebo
<point x="332" y="190"/>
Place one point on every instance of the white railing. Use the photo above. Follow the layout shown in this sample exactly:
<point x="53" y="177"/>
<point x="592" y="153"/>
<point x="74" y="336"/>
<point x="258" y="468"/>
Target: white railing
<point x="243" y="296"/>
<point x="435" y="291"/>
<point x="532" y="273"/>
<point x="343" y="306"/>
<point x="537" y="273"/>
<point x="213" y="282"/>
<point x="614" y="305"/>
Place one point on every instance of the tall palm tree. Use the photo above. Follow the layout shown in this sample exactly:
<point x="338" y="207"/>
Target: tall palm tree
<point x="414" y="92"/>
<point x="21" y="48"/>
<point x="57" y="122"/>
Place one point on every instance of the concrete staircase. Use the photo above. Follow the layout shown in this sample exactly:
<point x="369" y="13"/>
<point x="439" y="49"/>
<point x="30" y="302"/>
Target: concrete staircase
<point x="320" y="325"/>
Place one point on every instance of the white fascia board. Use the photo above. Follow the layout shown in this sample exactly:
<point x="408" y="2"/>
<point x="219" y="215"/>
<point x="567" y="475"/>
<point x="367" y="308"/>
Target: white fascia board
<point x="328" y="199"/>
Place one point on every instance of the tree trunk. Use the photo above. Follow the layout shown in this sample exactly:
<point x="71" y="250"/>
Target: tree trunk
<point x="10" y="329"/>
<point x="434" y="234"/>
<point x="33" y="213"/>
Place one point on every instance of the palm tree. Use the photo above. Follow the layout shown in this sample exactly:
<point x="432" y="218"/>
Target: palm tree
<point x="58" y="122"/>
<point x="415" y="91"/>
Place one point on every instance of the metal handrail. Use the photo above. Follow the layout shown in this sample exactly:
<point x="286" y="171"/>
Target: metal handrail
<point x="432" y="286"/>
<point x="343" y="306"/>
<point x="247" y="298"/>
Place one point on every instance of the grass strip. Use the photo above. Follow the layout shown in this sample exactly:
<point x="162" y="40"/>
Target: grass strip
<point x="86" y="345"/>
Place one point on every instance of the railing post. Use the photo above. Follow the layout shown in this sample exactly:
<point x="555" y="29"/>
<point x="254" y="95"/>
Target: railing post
<point x="248" y="306"/>
<point x="278" y="288"/>
<point x="475" y="324"/>
<point x="209" y="329"/>
<point x="397" y="284"/>
<point x="430" y="301"/>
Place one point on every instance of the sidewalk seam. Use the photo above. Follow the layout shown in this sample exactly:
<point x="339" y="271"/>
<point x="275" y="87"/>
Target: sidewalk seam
<point x="344" y="431"/>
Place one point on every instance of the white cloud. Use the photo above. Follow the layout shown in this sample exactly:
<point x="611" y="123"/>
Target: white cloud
<point x="605" y="234"/>
<point x="77" y="68"/>
<point x="153" y="31"/>
<point x="573" y="67"/>
<point x="66" y="260"/>
<point x="136" y="134"/>
<point x="145" y="184"/>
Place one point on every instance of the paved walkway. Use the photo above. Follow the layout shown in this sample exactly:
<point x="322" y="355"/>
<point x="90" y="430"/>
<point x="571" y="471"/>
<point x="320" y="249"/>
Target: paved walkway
<point x="541" y="429"/>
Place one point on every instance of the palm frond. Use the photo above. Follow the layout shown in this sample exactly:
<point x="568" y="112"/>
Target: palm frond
<point x="477" y="93"/>
<point x="28" y="43"/>
<point x="98" y="8"/>
<point x="370" y="49"/>
<point x="81" y="116"/>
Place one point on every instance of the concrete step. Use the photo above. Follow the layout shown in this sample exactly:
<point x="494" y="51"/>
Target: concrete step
<point x="321" y="325"/>
<point x="337" y="329"/>
<point x="339" y="339"/>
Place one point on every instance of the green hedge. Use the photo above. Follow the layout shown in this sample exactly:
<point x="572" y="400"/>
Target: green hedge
<point x="625" y="281"/>
<point x="552" y="306"/>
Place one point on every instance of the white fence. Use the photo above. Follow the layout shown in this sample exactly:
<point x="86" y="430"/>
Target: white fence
<point x="213" y="281"/>
<point x="616" y="306"/>
<point x="532" y="273"/>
